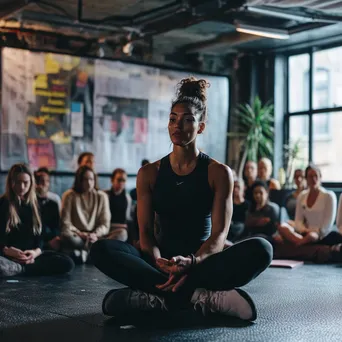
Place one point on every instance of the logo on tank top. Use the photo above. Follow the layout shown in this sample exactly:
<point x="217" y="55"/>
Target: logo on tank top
<point x="179" y="183"/>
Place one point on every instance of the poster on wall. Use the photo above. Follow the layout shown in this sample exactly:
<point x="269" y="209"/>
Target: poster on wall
<point x="56" y="106"/>
<point x="39" y="90"/>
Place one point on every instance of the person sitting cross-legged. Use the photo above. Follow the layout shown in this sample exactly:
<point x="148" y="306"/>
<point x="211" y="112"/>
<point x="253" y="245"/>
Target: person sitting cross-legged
<point x="189" y="196"/>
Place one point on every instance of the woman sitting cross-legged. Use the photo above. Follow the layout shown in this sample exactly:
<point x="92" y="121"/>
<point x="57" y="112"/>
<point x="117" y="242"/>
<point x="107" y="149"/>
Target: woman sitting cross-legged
<point x="263" y="216"/>
<point x="21" y="241"/>
<point x="190" y="196"/>
<point x="315" y="214"/>
<point x="85" y="215"/>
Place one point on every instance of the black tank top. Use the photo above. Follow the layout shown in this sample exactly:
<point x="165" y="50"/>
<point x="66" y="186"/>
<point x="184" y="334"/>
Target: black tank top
<point x="183" y="206"/>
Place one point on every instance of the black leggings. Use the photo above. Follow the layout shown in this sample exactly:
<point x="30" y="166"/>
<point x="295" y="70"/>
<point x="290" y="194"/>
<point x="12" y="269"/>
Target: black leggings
<point x="234" y="267"/>
<point x="49" y="263"/>
<point x="333" y="238"/>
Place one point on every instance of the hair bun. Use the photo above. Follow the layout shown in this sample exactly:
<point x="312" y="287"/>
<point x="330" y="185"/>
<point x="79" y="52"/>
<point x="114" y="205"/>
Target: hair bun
<point x="191" y="87"/>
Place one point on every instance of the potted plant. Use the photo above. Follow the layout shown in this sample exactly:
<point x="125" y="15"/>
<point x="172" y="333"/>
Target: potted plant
<point x="256" y="131"/>
<point x="291" y="154"/>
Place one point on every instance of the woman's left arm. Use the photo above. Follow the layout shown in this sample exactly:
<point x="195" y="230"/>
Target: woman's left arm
<point x="221" y="180"/>
<point x="329" y="214"/>
<point x="103" y="217"/>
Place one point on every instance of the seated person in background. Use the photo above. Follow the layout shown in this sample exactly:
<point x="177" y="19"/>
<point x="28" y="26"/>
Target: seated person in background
<point x="315" y="214"/>
<point x="250" y="175"/>
<point x="85" y="214"/>
<point x="263" y="216"/>
<point x="240" y="208"/>
<point x="339" y="215"/>
<point x="86" y="158"/>
<point x="46" y="179"/>
<point x="120" y="204"/>
<point x="291" y="201"/>
<point x="20" y="230"/>
<point x="49" y="212"/>
<point x="265" y="172"/>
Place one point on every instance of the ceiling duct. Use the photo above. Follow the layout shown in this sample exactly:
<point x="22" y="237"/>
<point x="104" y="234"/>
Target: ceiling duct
<point x="303" y="16"/>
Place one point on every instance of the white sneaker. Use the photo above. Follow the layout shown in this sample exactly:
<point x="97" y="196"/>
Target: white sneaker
<point x="236" y="303"/>
<point x="9" y="268"/>
<point x="126" y="301"/>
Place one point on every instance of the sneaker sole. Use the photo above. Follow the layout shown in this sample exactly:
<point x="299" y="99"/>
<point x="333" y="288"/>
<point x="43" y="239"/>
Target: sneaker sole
<point x="249" y="300"/>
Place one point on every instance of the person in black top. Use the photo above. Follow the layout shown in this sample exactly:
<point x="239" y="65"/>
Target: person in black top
<point x="240" y="208"/>
<point x="188" y="196"/>
<point x="120" y="203"/>
<point x="291" y="200"/>
<point x="21" y="241"/>
<point x="263" y="215"/>
<point x="49" y="212"/>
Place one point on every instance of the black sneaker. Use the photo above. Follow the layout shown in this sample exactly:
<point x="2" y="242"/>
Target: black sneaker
<point x="126" y="301"/>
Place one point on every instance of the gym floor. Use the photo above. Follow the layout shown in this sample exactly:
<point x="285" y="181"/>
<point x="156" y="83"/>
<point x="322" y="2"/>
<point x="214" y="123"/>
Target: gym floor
<point x="302" y="304"/>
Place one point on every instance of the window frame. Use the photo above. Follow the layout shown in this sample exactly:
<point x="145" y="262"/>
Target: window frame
<point x="310" y="112"/>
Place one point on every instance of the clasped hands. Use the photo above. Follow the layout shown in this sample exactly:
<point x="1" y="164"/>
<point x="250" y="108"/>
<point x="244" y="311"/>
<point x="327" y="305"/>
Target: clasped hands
<point x="22" y="257"/>
<point x="177" y="269"/>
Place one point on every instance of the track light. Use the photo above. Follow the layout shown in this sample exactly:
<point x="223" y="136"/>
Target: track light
<point x="262" y="31"/>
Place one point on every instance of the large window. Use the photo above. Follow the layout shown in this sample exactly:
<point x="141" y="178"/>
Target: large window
<point x="315" y="109"/>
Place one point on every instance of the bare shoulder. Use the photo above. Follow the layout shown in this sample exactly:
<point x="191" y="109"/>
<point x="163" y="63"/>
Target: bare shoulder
<point x="218" y="169"/>
<point x="148" y="173"/>
<point x="219" y="173"/>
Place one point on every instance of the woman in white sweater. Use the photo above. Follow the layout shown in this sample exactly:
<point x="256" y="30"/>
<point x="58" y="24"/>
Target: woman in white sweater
<point x="315" y="214"/>
<point x="85" y="214"/>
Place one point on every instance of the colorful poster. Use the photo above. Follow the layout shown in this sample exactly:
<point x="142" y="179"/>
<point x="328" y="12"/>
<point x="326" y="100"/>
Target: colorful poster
<point x="56" y="106"/>
<point x="41" y="152"/>
<point x="77" y="119"/>
<point x="43" y="87"/>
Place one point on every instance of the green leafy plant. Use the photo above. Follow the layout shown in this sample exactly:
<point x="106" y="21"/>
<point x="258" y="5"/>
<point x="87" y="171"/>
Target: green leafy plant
<point x="292" y="154"/>
<point x="255" y="131"/>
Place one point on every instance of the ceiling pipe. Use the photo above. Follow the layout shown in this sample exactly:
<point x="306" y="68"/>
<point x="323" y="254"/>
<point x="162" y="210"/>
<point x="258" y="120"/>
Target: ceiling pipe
<point x="283" y="14"/>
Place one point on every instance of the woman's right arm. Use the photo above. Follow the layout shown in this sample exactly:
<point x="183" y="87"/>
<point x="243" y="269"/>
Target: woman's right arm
<point x="148" y="244"/>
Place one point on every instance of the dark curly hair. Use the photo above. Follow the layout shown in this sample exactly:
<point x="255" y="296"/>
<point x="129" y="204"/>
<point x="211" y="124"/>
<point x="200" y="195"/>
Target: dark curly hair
<point x="193" y="92"/>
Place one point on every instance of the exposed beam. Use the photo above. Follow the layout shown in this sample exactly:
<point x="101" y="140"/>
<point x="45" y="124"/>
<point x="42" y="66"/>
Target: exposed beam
<point x="230" y="39"/>
<point x="12" y="6"/>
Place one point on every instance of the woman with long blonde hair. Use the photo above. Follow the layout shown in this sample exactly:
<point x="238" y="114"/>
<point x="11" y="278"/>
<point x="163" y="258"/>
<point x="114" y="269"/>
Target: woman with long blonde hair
<point x="21" y="229"/>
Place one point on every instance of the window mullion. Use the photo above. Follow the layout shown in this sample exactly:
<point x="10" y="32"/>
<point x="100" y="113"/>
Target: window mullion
<point x="310" y="88"/>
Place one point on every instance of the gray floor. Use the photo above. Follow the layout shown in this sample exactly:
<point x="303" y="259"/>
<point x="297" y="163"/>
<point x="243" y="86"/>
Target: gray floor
<point x="303" y="304"/>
